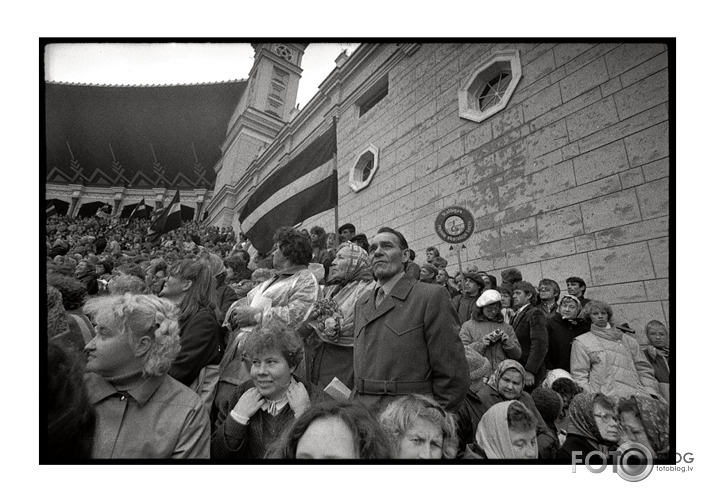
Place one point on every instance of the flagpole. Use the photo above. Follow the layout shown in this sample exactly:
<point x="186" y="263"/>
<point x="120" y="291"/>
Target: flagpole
<point x="335" y="170"/>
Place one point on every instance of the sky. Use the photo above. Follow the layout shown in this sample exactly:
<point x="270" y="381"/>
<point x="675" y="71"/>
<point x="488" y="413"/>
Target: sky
<point x="177" y="63"/>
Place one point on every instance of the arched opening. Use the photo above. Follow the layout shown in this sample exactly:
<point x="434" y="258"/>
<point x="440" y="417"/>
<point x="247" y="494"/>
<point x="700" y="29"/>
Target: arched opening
<point x="60" y="207"/>
<point x="187" y="213"/>
<point x="90" y="209"/>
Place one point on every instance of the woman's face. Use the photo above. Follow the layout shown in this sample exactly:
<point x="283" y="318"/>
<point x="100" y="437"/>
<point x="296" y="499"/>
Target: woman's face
<point x="510" y="384"/>
<point x="110" y="353"/>
<point x="490" y="311"/>
<point x="633" y="430"/>
<point x="487" y="282"/>
<point x="607" y="422"/>
<point x="524" y="444"/>
<point x="339" y="267"/>
<point x="568" y="309"/>
<point x="326" y="438"/>
<point x="599" y="318"/>
<point x="271" y="374"/>
<point x="423" y="440"/>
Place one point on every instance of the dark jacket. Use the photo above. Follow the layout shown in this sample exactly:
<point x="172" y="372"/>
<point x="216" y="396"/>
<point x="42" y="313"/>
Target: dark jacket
<point x="561" y="334"/>
<point x="409" y="344"/>
<point x="530" y="328"/>
<point x="477" y="402"/>
<point x="89" y="281"/>
<point x="577" y="443"/>
<point x="232" y="440"/>
<point x="465" y="305"/>
<point x="200" y="337"/>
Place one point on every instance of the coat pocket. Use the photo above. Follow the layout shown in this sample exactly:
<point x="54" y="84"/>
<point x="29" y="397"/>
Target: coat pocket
<point x="404" y="327"/>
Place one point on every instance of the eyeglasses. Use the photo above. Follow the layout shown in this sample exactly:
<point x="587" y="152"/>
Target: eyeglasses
<point x="606" y="417"/>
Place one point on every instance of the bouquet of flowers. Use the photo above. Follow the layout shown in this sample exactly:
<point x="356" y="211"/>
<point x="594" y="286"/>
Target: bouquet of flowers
<point x="326" y="319"/>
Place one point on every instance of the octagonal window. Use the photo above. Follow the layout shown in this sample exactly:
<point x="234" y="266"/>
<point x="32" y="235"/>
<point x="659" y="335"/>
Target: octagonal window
<point x="364" y="168"/>
<point x="490" y="86"/>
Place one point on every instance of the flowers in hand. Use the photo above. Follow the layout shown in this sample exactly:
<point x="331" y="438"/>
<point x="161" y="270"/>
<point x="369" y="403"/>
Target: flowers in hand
<point x="327" y="319"/>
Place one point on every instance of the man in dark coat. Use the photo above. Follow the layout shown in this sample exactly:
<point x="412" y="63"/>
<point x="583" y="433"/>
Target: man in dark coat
<point x="530" y="327"/>
<point x="406" y="334"/>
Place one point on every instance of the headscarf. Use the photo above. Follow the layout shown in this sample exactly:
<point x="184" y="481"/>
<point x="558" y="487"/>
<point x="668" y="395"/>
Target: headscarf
<point x="581" y="418"/>
<point x="501" y="369"/>
<point x="493" y="432"/>
<point x="656" y="423"/>
<point x="554" y="374"/>
<point x="358" y="269"/>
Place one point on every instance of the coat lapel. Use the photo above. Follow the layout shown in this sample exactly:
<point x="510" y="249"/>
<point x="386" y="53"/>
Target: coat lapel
<point x="519" y="318"/>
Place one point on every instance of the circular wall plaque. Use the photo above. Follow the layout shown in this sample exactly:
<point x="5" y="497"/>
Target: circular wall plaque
<point x="454" y="224"/>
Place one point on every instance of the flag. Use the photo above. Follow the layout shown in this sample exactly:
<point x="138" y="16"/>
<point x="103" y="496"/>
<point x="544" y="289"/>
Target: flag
<point x="104" y="212"/>
<point x="167" y="219"/>
<point x="50" y="210"/>
<point x="305" y="186"/>
<point x="139" y="211"/>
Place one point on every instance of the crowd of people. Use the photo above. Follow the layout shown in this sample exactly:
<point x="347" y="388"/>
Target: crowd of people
<point x="330" y="346"/>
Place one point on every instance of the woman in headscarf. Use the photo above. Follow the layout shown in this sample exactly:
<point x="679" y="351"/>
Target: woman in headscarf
<point x="507" y="431"/>
<point x="593" y="426"/>
<point x="646" y="421"/>
<point x="506" y="383"/>
<point x="329" y="346"/>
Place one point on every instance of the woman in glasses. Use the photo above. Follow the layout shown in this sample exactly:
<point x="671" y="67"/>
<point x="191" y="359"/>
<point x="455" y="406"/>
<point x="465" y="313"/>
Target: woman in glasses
<point x="593" y="426"/>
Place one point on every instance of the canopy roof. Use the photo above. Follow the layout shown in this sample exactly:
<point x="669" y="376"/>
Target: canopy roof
<point x="137" y="136"/>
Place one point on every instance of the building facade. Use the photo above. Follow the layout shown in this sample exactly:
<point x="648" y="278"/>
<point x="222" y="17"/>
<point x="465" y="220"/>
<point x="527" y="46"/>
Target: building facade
<point x="559" y="151"/>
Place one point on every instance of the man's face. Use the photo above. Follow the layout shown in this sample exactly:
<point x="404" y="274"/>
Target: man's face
<point x="471" y="287"/>
<point x="347" y="234"/>
<point x="575" y="289"/>
<point x="386" y="256"/>
<point x="430" y="256"/>
<point x="658" y="337"/>
<point x="425" y="274"/>
<point x="521" y="298"/>
<point x="546" y="292"/>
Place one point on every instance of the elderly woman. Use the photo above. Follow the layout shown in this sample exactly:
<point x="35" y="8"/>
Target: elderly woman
<point x="142" y="412"/>
<point x="488" y="333"/>
<point x="593" y="426"/>
<point x="287" y="296"/>
<point x="329" y="346"/>
<point x="507" y="431"/>
<point x="421" y="428"/>
<point x="260" y="409"/>
<point x="335" y="430"/>
<point x="506" y="383"/>
<point x="647" y="422"/>
<point x="605" y="360"/>
<point x="190" y="286"/>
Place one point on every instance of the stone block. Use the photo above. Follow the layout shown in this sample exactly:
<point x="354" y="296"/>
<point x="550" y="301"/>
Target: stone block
<point x="570" y="151"/>
<point x="481" y="134"/>
<point x="585" y="243"/>
<point x="657" y="289"/>
<point x="552" y="180"/>
<point x="538" y="68"/>
<point x="536" y="164"/>
<point x="481" y="199"/>
<point x="610" y="211"/>
<point x="570" y="107"/>
<point x="632" y="233"/>
<point x="625" y="128"/>
<point x="545" y="251"/>
<point x="547" y="139"/>
<point x="591" y="119"/>
<point x="563" y="53"/>
<point x="632" y="177"/>
<point x="561" y="268"/>
<point x="618" y="294"/>
<point x="602" y="162"/>
<point x="587" y="57"/>
<point x="660" y="253"/>
<point x="628" y="56"/>
<point x="656" y="170"/>
<point x="589" y="76"/>
<point x="610" y="87"/>
<point x="645" y="69"/>
<point x="507" y="120"/>
<point x="642" y="95"/>
<point x="648" y="145"/>
<point x="519" y="234"/>
<point x="486" y="242"/>
<point x="449" y="153"/>
<point x="542" y="102"/>
<point x="530" y="272"/>
<point x="654" y="198"/>
<point x="620" y="264"/>
<point x="559" y="224"/>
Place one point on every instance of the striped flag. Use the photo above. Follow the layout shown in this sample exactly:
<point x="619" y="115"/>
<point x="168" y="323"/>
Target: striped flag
<point x="167" y="219"/>
<point x="304" y="187"/>
<point x="104" y="212"/>
<point x="139" y="211"/>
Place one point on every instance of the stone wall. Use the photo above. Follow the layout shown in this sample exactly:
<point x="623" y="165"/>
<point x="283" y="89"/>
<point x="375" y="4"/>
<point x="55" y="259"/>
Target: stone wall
<point x="572" y="178"/>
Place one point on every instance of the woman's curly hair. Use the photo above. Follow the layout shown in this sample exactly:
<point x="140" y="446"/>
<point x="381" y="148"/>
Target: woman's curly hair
<point x="274" y="336"/>
<point x="142" y="315"/>
<point x="294" y="245"/>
